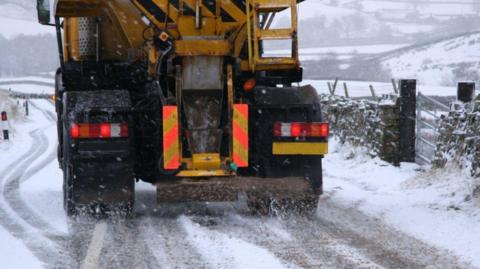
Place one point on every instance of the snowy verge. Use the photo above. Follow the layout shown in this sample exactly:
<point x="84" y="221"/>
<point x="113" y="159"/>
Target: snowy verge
<point x="435" y="206"/>
<point x="13" y="253"/>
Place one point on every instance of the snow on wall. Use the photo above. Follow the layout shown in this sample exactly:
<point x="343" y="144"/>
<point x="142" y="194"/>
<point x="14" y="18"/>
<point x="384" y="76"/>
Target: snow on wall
<point x="373" y="124"/>
<point x="459" y="138"/>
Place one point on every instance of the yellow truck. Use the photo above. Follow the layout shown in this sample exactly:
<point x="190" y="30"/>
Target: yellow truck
<point x="182" y="94"/>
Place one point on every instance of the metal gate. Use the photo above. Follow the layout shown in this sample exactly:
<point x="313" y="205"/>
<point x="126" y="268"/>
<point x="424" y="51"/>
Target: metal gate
<point x="429" y="112"/>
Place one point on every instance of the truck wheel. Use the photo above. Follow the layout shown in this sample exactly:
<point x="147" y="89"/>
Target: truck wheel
<point x="68" y="204"/>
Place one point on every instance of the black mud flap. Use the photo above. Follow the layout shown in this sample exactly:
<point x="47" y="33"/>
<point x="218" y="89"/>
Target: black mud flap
<point x="288" y="104"/>
<point x="98" y="173"/>
<point x="102" y="183"/>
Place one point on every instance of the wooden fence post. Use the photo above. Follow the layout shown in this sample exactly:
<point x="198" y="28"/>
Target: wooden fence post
<point x="345" y="87"/>
<point x="466" y="92"/>
<point x="408" y="103"/>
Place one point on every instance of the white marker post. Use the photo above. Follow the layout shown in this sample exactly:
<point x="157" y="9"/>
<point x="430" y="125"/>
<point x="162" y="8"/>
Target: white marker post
<point x="5" y="125"/>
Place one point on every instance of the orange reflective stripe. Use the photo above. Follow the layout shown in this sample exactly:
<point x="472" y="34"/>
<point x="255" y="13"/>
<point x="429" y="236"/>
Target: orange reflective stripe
<point x="170" y="138"/>
<point x="171" y="148"/>
<point x="240" y="135"/>
<point x="239" y="161"/>
<point x="242" y="109"/>
<point x="174" y="163"/>
<point x="168" y="110"/>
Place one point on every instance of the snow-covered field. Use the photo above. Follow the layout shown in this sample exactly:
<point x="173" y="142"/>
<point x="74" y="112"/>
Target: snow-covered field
<point x="440" y="63"/>
<point x="31" y="84"/>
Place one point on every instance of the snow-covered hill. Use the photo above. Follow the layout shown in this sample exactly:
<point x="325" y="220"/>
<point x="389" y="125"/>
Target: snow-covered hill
<point x="424" y="8"/>
<point x="441" y="63"/>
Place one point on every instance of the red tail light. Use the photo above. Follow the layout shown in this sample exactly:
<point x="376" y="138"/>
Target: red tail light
<point x="75" y="131"/>
<point x="99" y="130"/>
<point x="301" y="129"/>
<point x="105" y="130"/>
<point x="4" y="116"/>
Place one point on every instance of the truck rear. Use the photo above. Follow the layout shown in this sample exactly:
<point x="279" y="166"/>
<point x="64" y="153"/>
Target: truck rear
<point x="181" y="94"/>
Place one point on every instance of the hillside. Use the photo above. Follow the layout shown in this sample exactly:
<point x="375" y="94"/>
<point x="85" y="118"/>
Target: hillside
<point x="441" y="63"/>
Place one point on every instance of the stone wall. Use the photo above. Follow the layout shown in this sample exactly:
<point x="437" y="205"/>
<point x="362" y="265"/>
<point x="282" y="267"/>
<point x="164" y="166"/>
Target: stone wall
<point x="373" y="124"/>
<point x="459" y="138"/>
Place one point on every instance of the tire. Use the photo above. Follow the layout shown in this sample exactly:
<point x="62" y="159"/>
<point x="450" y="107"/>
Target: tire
<point x="69" y="206"/>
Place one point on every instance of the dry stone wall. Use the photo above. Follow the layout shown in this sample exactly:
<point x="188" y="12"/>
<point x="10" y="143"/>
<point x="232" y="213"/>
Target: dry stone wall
<point x="373" y="124"/>
<point x="459" y="138"/>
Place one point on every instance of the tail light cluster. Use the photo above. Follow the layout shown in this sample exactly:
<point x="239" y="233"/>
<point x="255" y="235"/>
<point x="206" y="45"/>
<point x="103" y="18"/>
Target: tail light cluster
<point x="99" y="130"/>
<point x="301" y="129"/>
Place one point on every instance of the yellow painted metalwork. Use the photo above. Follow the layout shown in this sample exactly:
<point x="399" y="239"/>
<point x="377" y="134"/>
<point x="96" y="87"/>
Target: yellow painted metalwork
<point x="258" y="33"/>
<point x="202" y="47"/>
<point x="299" y="148"/>
<point x="152" y="60"/>
<point x="120" y="24"/>
<point x="206" y="161"/>
<point x="224" y="30"/>
<point x="249" y="37"/>
<point x="71" y="44"/>
<point x="77" y="8"/>
<point x="205" y="173"/>
<point x="125" y="19"/>
<point x="231" y="100"/>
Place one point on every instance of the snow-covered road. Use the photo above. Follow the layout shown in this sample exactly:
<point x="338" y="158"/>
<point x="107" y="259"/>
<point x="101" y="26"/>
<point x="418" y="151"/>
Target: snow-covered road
<point x="34" y="232"/>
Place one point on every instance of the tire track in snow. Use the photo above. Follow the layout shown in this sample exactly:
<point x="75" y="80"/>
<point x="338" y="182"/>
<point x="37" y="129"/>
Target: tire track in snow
<point x="222" y="251"/>
<point x="125" y="247"/>
<point x="23" y="172"/>
<point x="45" y="250"/>
<point x="381" y="243"/>
<point x="294" y="248"/>
<point x="265" y="233"/>
<point x="169" y="243"/>
<point x="119" y="241"/>
<point x="333" y="251"/>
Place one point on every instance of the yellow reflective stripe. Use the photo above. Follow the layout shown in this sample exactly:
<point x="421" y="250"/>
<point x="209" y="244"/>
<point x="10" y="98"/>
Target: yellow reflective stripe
<point x="205" y="173"/>
<point x="170" y="122"/>
<point x="299" y="148"/>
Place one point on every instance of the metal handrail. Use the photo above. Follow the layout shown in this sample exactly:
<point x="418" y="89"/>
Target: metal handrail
<point x="428" y="143"/>
<point x="437" y="103"/>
